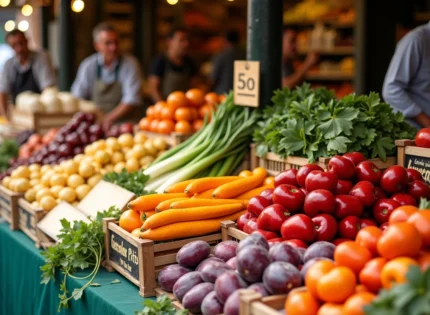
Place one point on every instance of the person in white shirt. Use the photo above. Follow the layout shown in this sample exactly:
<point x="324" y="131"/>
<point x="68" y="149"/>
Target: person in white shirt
<point x="110" y="79"/>
<point x="28" y="70"/>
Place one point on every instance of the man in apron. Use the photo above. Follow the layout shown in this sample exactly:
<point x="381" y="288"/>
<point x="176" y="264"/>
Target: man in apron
<point x="174" y="70"/>
<point x="26" y="71"/>
<point x="110" y="79"/>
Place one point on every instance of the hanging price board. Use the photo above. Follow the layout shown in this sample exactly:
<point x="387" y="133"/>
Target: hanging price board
<point x="246" y="83"/>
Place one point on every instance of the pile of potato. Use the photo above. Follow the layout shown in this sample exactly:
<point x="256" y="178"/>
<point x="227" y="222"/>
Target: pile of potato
<point x="45" y="186"/>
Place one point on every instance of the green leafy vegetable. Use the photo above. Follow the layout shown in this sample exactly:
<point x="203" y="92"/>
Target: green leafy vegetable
<point x="8" y="149"/>
<point x="161" y="306"/>
<point x="115" y="281"/>
<point x="312" y="123"/>
<point x="134" y="181"/>
<point x="80" y="246"/>
<point x="412" y="297"/>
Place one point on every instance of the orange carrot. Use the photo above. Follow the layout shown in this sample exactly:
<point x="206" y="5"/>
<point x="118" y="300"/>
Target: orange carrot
<point x="165" y="205"/>
<point x="252" y="193"/>
<point x="204" y="195"/>
<point x="191" y="203"/>
<point x="205" y="183"/>
<point x="149" y="202"/>
<point x="179" y="187"/>
<point x="190" y="214"/>
<point x="240" y="186"/>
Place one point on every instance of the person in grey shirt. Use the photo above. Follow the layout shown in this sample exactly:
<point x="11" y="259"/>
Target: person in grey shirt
<point x="407" y="81"/>
<point x="27" y="71"/>
<point x="223" y="63"/>
<point x="110" y="79"/>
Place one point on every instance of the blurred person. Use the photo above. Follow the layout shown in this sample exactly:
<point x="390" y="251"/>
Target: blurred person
<point x="223" y="63"/>
<point x="407" y="82"/>
<point x="111" y="79"/>
<point x="28" y="70"/>
<point x="292" y="77"/>
<point x="173" y="70"/>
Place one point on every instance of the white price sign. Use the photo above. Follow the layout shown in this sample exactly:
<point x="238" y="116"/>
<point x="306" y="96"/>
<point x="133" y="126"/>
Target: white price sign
<point x="247" y="83"/>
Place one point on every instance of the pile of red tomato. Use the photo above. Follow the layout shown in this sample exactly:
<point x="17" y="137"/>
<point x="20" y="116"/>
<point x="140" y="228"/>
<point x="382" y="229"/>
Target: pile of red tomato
<point x="311" y="204"/>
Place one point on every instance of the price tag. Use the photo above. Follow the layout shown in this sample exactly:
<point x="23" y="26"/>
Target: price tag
<point x="419" y="163"/>
<point x="247" y="83"/>
<point x="124" y="254"/>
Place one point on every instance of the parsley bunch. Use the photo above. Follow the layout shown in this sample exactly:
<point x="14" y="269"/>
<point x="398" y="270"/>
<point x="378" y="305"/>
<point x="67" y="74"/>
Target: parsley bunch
<point x="411" y="298"/>
<point x="161" y="306"/>
<point x="313" y="123"/>
<point x="134" y="181"/>
<point x="80" y="246"/>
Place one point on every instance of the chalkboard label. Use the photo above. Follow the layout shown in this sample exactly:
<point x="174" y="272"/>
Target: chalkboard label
<point x="124" y="254"/>
<point x="26" y="220"/>
<point x="419" y="163"/>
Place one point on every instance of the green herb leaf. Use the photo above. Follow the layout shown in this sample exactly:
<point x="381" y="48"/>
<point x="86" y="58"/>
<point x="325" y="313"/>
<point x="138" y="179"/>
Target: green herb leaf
<point x="338" y="144"/>
<point x="94" y="284"/>
<point x="115" y="281"/>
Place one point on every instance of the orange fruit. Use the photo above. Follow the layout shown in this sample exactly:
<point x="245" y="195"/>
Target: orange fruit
<point x="167" y="113"/>
<point x="150" y="112"/>
<point x="401" y="214"/>
<point x="269" y="181"/>
<point x="301" y="302"/>
<point x="315" y="272"/>
<point x="183" y="127"/>
<point x="370" y="275"/>
<point x="145" y="123"/>
<point x="194" y="113"/>
<point x="394" y="271"/>
<point x="158" y="108"/>
<point x="337" y="285"/>
<point x="166" y="126"/>
<point x="212" y="98"/>
<point x="206" y="110"/>
<point x="360" y="288"/>
<point x="368" y="238"/>
<point x="330" y="309"/>
<point x="176" y="99"/>
<point x="221" y="98"/>
<point x="183" y="113"/>
<point x="245" y="173"/>
<point x="421" y="221"/>
<point x="154" y="125"/>
<point x="350" y="254"/>
<point x="355" y="303"/>
<point x="197" y="124"/>
<point x="195" y="97"/>
<point x="400" y="239"/>
<point x="130" y="220"/>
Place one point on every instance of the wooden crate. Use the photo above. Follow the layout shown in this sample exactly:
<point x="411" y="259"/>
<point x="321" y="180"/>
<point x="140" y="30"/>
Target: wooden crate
<point x="140" y="260"/>
<point x="173" y="139"/>
<point x="252" y="303"/>
<point x="41" y="122"/>
<point x="28" y="219"/>
<point x="275" y="164"/>
<point x="9" y="206"/>
<point x="229" y="231"/>
<point x="411" y="156"/>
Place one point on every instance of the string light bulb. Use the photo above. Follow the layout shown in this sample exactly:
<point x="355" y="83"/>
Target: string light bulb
<point x="23" y="26"/>
<point x="27" y="10"/>
<point x="172" y="2"/>
<point x="78" y="6"/>
<point x="9" y="26"/>
<point x="4" y="3"/>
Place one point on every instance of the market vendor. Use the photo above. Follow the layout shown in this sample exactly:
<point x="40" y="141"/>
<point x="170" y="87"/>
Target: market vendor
<point x="407" y="82"/>
<point x="110" y="79"/>
<point x="292" y="77"/>
<point x="174" y="70"/>
<point x="28" y="70"/>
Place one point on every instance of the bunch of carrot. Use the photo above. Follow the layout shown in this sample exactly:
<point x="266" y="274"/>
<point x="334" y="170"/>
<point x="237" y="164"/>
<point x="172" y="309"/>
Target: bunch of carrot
<point x="198" y="206"/>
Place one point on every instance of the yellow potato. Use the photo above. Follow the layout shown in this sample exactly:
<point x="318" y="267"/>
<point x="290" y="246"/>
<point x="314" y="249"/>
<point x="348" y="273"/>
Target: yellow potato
<point x="67" y="194"/>
<point x="126" y="140"/>
<point x="55" y="190"/>
<point x="82" y="191"/>
<point x="119" y="167"/>
<point x="30" y="195"/>
<point x="75" y="180"/>
<point x="42" y="193"/>
<point x="22" y="185"/>
<point x="34" y="168"/>
<point x="117" y="157"/>
<point x="48" y="203"/>
<point x="6" y="181"/>
<point x="93" y="180"/>
<point x="58" y="180"/>
<point x="71" y="167"/>
<point x="132" y="165"/>
<point x="86" y="170"/>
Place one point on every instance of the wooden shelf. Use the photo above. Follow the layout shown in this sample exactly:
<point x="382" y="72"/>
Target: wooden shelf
<point x="337" y="51"/>
<point x="329" y="76"/>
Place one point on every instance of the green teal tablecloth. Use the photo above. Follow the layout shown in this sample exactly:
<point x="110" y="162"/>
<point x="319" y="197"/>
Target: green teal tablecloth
<point x="22" y="294"/>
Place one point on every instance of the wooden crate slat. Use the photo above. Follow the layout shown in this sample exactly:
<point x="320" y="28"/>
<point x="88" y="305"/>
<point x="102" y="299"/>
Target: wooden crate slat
<point x="9" y="206"/>
<point x="28" y="219"/>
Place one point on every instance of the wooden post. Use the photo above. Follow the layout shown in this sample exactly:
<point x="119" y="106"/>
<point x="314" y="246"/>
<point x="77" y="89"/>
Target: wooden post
<point x="66" y="46"/>
<point x="265" y="44"/>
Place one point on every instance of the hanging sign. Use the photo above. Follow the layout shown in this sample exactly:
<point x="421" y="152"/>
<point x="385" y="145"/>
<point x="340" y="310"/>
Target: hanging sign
<point x="246" y="83"/>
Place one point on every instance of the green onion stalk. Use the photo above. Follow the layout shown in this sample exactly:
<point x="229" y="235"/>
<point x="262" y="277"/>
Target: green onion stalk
<point x="216" y="150"/>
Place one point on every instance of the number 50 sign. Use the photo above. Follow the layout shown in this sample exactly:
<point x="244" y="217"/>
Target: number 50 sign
<point x="246" y="83"/>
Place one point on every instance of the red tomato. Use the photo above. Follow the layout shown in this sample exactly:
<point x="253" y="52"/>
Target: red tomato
<point x="342" y="167"/>
<point x="422" y="139"/>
